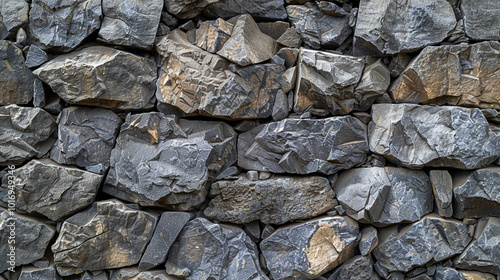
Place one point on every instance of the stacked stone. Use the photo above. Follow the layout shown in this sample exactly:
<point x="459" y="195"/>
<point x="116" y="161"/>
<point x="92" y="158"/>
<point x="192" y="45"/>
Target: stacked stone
<point x="225" y="139"/>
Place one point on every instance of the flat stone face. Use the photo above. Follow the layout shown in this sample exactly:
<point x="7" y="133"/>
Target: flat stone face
<point x="384" y="196"/>
<point x="417" y="136"/>
<point x="78" y="19"/>
<point x="98" y="76"/>
<point x="442" y="187"/>
<point x="326" y="81"/>
<point x="430" y="239"/>
<point x="391" y="26"/>
<point x="308" y="250"/>
<point x="130" y="23"/>
<point x="263" y="10"/>
<point x="276" y="200"/>
<point x="368" y="241"/>
<point x="206" y="250"/>
<point x="107" y="235"/>
<point x="86" y="137"/>
<point x="24" y="133"/>
<point x="42" y="187"/>
<point x="304" y="146"/>
<point x="35" y="57"/>
<point x="29" y="246"/>
<point x="453" y="74"/>
<point x="13" y="15"/>
<point x="481" y="19"/>
<point x="158" y="162"/>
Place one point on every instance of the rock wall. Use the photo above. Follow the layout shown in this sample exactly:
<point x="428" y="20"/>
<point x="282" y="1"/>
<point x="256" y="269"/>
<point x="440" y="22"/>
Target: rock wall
<point x="259" y="139"/>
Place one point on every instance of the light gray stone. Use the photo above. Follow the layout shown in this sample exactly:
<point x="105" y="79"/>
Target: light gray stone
<point x="481" y="19"/>
<point x="289" y="79"/>
<point x="35" y="57"/>
<point x="264" y="10"/>
<point x="280" y="108"/>
<point x="373" y="84"/>
<point x="13" y="15"/>
<point x="369" y="240"/>
<point x="442" y="187"/>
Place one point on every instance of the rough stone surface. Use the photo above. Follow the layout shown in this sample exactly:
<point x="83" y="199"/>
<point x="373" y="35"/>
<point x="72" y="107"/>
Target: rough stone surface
<point x="290" y="38"/>
<point x="205" y="250"/>
<point x="308" y="250"/>
<point x="274" y="28"/>
<point x="457" y="75"/>
<point x="130" y="23"/>
<point x="107" y="235"/>
<point x="368" y="241"/>
<point x="185" y="9"/>
<point x="13" y="15"/>
<point x="35" y="57"/>
<point x="132" y="273"/>
<point x="24" y="133"/>
<point x="61" y="26"/>
<point x="357" y="268"/>
<point x="212" y="35"/>
<point x="259" y="9"/>
<point x="481" y="19"/>
<point x="384" y="196"/>
<point x="430" y="239"/>
<point x="416" y="136"/>
<point x="281" y="107"/>
<point x="326" y="81"/>
<point x="33" y="273"/>
<point x="448" y="273"/>
<point x="42" y="187"/>
<point x="277" y="200"/>
<point x="158" y="162"/>
<point x="442" y="187"/>
<point x="373" y="84"/>
<point x="391" y="26"/>
<point x="304" y="146"/>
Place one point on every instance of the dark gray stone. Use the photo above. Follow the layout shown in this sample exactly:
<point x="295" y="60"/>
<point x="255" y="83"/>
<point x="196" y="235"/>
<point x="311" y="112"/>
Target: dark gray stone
<point x="186" y="9"/>
<point x="35" y="57"/>
<point x="107" y="235"/>
<point x="280" y="108"/>
<point x="373" y="84"/>
<point x="416" y="136"/>
<point x="24" y="133"/>
<point x="398" y="64"/>
<point x="62" y="25"/>
<point x="274" y="28"/>
<point x="288" y="81"/>
<point x="169" y="19"/>
<point x="308" y="250"/>
<point x="448" y="273"/>
<point x="357" y="268"/>
<point x="384" y="196"/>
<point x="33" y="273"/>
<point x="304" y="146"/>
<point x="267" y="10"/>
<point x="86" y="137"/>
<point x="13" y="15"/>
<point x="481" y="19"/>
<point x="212" y="35"/>
<point x="290" y="38"/>
<point x="132" y="273"/>
<point x="442" y="187"/>
<point x="369" y="240"/>
<point x="205" y="250"/>
<point x="99" y="76"/>
<point x="332" y="9"/>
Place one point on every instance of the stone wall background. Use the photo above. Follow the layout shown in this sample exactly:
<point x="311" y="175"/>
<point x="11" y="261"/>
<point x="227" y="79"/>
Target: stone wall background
<point x="228" y="139"/>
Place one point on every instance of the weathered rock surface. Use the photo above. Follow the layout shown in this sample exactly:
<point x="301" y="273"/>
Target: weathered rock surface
<point x="247" y="45"/>
<point x="24" y="133"/>
<point x="33" y="273"/>
<point x="442" y="187"/>
<point x="107" y="235"/>
<point x="304" y="146"/>
<point x="131" y="273"/>
<point x="197" y="81"/>
<point x="266" y="10"/>
<point x="316" y="28"/>
<point x="384" y="196"/>
<point x="481" y="19"/>
<point x="277" y="200"/>
<point x="131" y="23"/>
<point x="158" y="162"/>
<point x="450" y="273"/>
<point x="416" y="136"/>
<point x="391" y="26"/>
<point x="290" y="38"/>
<point x="368" y="241"/>
<point x="212" y="35"/>
<point x="326" y="81"/>
<point x="42" y="187"/>
<point x="373" y="84"/>
<point x="86" y="137"/>
<point x="308" y="250"/>
<point x="62" y="25"/>
<point x="357" y="268"/>
<point x="35" y="57"/>
<point x="483" y="253"/>
<point x="205" y="250"/>
<point x="13" y="15"/>
<point x="29" y="246"/>
<point x="17" y="83"/>
<point x="454" y="74"/>
<point x="98" y="76"/>
<point x="185" y="9"/>
<point x="430" y="239"/>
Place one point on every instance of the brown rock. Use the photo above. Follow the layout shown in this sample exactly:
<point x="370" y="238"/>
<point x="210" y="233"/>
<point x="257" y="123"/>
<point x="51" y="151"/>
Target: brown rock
<point x="212" y="35"/>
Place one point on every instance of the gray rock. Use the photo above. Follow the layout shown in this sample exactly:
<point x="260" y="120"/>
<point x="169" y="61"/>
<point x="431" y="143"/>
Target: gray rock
<point x="93" y="275"/>
<point x="17" y="83"/>
<point x="168" y="228"/>
<point x="481" y="19"/>
<point x="130" y="23"/>
<point x="316" y="28"/>
<point x="289" y="79"/>
<point x="369" y="240"/>
<point x="290" y="38"/>
<point x="33" y="273"/>
<point x="390" y="26"/>
<point x="252" y="175"/>
<point x="398" y="64"/>
<point x="280" y="108"/>
<point x="212" y="35"/>
<point x="25" y="133"/>
<point x="62" y="25"/>
<point x="274" y="28"/>
<point x="332" y="9"/>
<point x="29" y="246"/>
<point x="308" y="250"/>
<point x="448" y="273"/>
<point x="98" y="76"/>
<point x="106" y="235"/>
<point x="86" y="137"/>
<point x="416" y="136"/>
<point x="304" y="146"/>
<point x="54" y="191"/>
<point x="442" y="187"/>
<point x="267" y="10"/>
<point x="357" y="268"/>
<point x="288" y="55"/>
<point x="431" y="239"/>
<point x="483" y="253"/>
<point x="169" y="19"/>
<point x="132" y="273"/>
<point x="327" y="81"/>
<point x="13" y="15"/>
<point x="373" y="84"/>
<point x="157" y="162"/>
<point x="186" y="9"/>
<point x="277" y="200"/>
<point x="384" y="196"/>
<point x="35" y="57"/>
<point x="247" y="45"/>
<point x="475" y="275"/>
<point x="205" y="250"/>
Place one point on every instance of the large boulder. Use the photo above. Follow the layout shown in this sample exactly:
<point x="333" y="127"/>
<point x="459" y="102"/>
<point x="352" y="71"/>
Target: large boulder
<point x="266" y="10"/>
<point x="481" y="19"/>
<point x="416" y="136"/>
<point x="13" y="15"/>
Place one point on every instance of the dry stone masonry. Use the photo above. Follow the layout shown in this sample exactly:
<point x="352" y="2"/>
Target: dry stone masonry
<point x="249" y="139"/>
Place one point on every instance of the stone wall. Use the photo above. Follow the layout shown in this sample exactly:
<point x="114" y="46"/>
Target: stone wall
<point x="249" y="139"/>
